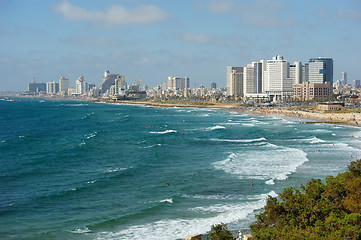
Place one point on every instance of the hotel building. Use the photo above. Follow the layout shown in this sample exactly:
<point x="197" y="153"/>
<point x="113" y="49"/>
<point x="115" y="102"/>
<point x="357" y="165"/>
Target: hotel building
<point x="307" y="91"/>
<point x="235" y="81"/>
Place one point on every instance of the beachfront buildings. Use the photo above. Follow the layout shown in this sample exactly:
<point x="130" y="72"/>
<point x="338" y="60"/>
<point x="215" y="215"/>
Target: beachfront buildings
<point x="277" y="83"/>
<point x="108" y="81"/>
<point x="80" y="86"/>
<point x="307" y="91"/>
<point x="63" y="85"/>
<point x="52" y="88"/>
<point x="275" y="79"/>
<point x="178" y="83"/>
<point x="320" y="70"/>
<point x="235" y="82"/>
<point x="35" y="87"/>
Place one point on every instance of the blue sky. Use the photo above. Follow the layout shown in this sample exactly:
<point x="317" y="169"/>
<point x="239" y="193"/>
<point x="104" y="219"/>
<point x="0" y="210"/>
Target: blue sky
<point x="152" y="40"/>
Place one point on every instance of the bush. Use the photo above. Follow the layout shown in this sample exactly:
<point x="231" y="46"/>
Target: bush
<point x="221" y="232"/>
<point x="317" y="211"/>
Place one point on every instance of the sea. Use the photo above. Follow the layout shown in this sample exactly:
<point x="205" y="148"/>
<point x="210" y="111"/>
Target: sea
<point x="82" y="170"/>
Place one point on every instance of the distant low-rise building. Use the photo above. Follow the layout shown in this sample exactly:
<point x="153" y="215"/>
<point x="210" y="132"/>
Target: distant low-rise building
<point x="330" y="106"/>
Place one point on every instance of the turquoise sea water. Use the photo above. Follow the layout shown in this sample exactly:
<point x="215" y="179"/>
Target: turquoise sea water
<point x="108" y="171"/>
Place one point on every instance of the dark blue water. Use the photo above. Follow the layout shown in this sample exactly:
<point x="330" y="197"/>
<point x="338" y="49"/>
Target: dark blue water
<point x="107" y="171"/>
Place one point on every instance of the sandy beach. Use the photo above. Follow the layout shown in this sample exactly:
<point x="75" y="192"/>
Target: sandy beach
<point x="349" y="117"/>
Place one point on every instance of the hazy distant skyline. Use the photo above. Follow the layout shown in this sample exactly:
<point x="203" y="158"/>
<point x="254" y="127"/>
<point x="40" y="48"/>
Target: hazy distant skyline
<point x="152" y="40"/>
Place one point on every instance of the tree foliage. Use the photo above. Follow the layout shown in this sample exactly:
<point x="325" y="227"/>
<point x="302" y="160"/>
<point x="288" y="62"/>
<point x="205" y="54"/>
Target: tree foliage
<point x="221" y="232"/>
<point x="317" y="211"/>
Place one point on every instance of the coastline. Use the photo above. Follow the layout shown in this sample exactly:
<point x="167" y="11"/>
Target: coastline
<point x="348" y="118"/>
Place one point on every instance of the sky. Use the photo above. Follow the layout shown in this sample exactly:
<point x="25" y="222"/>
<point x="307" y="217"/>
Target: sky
<point x="151" y="40"/>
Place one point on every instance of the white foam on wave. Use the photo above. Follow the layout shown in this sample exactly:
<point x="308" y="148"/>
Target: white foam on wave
<point x="215" y="128"/>
<point x="81" y="230"/>
<point x="212" y="197"/>
<point x="169" y="200"/>
<point x="110" y="170"/>
<point x="91" y="135"/>
<point x="270" y="182"/>
<point x="179" y="228"/>
<point x="357" y="134"/>
<point x="318" y="131"/>
<point x="313" y="140"/>
<point x="76" y="105"/>
<point x="151" y="146"/>
<point x="248" y="124"/>
<point x="240" y="140"/>
<point x="267" y="162"/>
<point x="164" y="132"/>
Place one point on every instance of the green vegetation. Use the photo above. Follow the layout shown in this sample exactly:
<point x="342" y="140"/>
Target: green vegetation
<point x="221" y="232"/>
<point x="317" y="211"/>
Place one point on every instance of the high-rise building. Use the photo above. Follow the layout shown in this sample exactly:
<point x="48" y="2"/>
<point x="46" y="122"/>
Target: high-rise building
<point x="108" y="80"/>
<point x="63" y="85"/>
<point x="120" y="85"/>
<point x="35" y="87"/>
<point x="248" y="79"/>
<point x="320" y="70"/>
<point x="343" y="78"/>
<point x="253" y="78"/>
<point x="52" y="87"/>
<point x="177" y="83"/>
<point x="277" y="83"/>
<point x="296" y="72"/>
<point x="356" y="83"/>
<point x="235" y="81"/>
<point x="80" y="86"/>
<point x="213" y="85"/>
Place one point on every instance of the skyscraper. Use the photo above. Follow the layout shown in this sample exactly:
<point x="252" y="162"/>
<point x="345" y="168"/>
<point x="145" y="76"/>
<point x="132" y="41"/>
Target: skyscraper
<point x="320" y="70"/>
<point x="52" y="87"/>
<point x="108" y="80"/>
<point x="296" y="73"/>
<point x="63" y="85"/>
<point x="177" y="83"/>
<point x="277" y="82"/>
<point x="248" y="79"/>
<point x="80" y="86"/>
<point x="120" y="85"/>
<point x="343" y="77"/>
<point x="235" y="81"/>
<point x="35" y="87"/>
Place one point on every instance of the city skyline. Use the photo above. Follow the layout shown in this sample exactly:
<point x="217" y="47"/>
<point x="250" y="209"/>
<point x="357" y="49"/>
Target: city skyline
<point x="197" y="39"/>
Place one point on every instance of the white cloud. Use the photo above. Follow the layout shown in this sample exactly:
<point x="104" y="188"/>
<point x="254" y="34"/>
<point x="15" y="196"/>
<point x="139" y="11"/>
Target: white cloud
<point x="114" y="15"/>
<point x="349" y="14"/>
<point x="219" y="6"/>
<point x="97" y="41"/>
<point x="263" y="13"/>
<point x="199" y="38"/>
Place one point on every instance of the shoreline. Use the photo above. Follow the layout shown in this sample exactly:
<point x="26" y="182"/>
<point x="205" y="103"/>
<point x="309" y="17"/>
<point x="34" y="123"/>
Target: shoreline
<point x="348" y="118"/>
